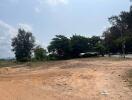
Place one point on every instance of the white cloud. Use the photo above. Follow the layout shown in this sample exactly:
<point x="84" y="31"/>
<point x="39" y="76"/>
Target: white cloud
<point x="37" y="10"/>
<point x="40" y="43"/>
<point x="4" y="26"/>
<point x="57" y="2"/>
<point x="7" y="32"/>
<point x="14" y="1"/>
<point x="53" y="2"/>
<point x="24" y="26"/>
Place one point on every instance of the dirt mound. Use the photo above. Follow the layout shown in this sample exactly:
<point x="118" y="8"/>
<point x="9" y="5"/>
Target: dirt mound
<point x="88" y="80"/>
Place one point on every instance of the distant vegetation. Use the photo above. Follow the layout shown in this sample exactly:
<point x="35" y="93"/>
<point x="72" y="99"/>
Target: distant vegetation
<point x="23" y="45"/>
<point x="40" y="53"/>
<point x="116" y="39"/>
<point x="119" y="35"/>
<point x="63" y="48"/>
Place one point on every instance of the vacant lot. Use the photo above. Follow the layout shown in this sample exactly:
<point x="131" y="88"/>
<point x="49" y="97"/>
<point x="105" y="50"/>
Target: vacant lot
<point x="79" y="79"/>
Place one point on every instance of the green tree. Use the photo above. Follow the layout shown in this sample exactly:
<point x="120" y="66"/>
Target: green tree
<point x="93" y="41"/>
<point x="23" y="45"/>
<point x="79" y="44"/>
<point x="118" y="37"/>
<point x="40" y="53"/>
<point x="60" y="46"/>
<point x="111" y="36"/>
<point x="100" y="48"/>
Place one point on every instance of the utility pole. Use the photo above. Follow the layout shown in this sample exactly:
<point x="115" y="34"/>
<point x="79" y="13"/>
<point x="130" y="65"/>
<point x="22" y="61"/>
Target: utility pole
<point x="123" y="49"/>
<point x="123" y="28"/>
<point x="122" y="44"/>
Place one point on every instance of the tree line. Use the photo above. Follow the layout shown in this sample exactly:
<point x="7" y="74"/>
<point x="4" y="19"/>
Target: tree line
<point x="61" y="47"/>
<point x="119" y="35"/>
<point x="116" y="39"/>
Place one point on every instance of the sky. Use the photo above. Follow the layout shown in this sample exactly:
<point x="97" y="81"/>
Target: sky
<point x="47" y="18"/>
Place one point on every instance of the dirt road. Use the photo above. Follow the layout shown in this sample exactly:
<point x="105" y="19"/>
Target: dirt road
<point x="80" y="79"/>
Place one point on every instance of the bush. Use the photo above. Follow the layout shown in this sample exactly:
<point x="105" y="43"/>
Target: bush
<point x="40" y="53"/>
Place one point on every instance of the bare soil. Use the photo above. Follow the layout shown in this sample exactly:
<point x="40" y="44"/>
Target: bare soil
<point x="78" y="79"/>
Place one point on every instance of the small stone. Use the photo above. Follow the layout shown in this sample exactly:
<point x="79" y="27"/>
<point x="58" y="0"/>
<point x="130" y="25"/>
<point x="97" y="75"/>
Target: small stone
<point x="104" y="92"/>
<point x="125" y="81"/>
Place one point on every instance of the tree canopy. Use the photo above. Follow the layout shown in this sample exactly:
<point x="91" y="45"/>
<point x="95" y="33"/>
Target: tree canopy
<point x="119" y="33"/>
<point x="60" y="46"/>
<point x="72" y="47"/>
<point x="40" y="53"/>
<point x="23" y="45"/>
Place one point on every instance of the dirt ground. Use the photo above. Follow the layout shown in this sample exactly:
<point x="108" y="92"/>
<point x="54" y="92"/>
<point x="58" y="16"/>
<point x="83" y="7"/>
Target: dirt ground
<point x="78" y="79"/>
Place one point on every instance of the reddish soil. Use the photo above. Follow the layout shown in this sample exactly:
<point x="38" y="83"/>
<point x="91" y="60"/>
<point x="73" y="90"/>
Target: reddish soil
<point x="80" y="79"/>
